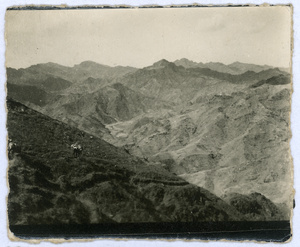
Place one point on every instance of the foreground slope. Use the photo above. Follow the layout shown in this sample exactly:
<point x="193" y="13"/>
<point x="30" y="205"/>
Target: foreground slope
<point x="106" y="184"/>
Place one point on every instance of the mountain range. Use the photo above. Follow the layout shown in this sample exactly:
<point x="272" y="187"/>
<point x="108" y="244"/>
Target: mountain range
<point x="222" y="128"/>
<point x="233" y="68"/>
<point x="106" y="184"/>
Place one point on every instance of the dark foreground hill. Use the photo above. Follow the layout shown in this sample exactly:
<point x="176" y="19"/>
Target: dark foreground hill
<point x="106" y="184"/>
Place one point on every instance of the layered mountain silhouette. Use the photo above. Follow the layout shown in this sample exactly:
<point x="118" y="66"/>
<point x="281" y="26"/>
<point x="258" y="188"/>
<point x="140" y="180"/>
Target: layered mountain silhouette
<point x="77" y="73"/>
<point x="224" y="128"/>
<point x="233" y="68"/>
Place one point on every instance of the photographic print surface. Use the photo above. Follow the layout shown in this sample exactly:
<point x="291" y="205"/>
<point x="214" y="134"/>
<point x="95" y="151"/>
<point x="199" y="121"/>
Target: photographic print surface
<point x="161" y="121"/>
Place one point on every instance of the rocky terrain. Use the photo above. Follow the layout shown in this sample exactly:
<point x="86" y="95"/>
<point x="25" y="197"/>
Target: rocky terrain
<point x="106" y="184"/>
<point x="221" y="127"/>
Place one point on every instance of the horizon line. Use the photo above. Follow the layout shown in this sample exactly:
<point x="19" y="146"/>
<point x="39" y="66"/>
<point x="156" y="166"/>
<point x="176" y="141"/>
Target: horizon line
<point x="76" y="64"/>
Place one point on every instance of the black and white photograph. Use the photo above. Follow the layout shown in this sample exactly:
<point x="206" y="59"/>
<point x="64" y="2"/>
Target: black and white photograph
<point x="155" y="122"/>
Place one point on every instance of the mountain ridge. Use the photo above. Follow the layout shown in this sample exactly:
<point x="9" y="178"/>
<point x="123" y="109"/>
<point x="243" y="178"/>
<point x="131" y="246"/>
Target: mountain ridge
<point x="189" y="63"/>
<point x="220" y="131"/>
<point x="232" y="68"/>
<point x="103" y="185"/>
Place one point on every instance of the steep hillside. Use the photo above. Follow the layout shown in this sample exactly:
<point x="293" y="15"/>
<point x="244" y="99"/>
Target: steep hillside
<point x="91" y="111"/>
<point x="235" y="142"/>
<point x="166" y="81"/>
<point x="105" y="184"/>
<point x="87" y="86"/>
<point x="116" y="101"/>
<point x="274" y="80"/>
<point x="63" y="93"/>
<point x="254" y="206"/>
<point x="28" y="94"/>
<point x="228" y="133"/>
<point x="226" y="137"/>
<point x="38" y="76"/>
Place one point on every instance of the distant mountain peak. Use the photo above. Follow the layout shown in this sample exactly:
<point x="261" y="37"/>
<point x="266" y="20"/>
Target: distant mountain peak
<point x="215" y="63"/>
<point x="235" y="63"/>
<point x="89" y="63"/>
<point x="46" y="65"/>
<point x="184" y="60"/>
<point x="185" y="63"/>
<point x="161" y="63"/>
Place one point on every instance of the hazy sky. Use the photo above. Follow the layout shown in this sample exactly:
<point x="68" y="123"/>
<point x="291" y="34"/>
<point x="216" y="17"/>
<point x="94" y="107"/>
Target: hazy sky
<point x="139" y="37"/>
